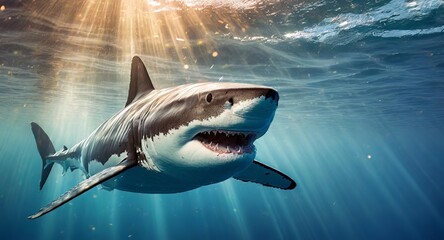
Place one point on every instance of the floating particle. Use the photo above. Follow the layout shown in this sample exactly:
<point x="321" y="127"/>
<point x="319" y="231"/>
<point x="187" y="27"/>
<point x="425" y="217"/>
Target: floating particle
<point x="412" y="4"/>
<point x="215" y="54"/>
<point x="369" y="156"/>
<point x="93" y="228"/>
<point x="2" y="8"/>
<point x="343" y="24"/>
<point x="186" y="66"/>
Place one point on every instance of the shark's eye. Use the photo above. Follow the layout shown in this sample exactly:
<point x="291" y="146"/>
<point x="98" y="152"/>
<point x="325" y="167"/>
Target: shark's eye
<point x="209" y="97"/>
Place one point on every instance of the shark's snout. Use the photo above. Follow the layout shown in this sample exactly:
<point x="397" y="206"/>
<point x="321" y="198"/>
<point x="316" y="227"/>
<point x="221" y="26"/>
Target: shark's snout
<point x="235" y="96"/>
<point x="260" y="104"/>
<point x="271" y="94"/>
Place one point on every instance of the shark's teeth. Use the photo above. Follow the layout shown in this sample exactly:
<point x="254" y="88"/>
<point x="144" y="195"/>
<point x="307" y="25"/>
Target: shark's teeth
<point x="224" y="142"/>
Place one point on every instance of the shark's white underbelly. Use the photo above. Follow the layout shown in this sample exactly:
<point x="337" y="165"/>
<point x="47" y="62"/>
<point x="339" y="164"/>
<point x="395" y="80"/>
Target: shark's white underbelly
<point x="141" y="180"/>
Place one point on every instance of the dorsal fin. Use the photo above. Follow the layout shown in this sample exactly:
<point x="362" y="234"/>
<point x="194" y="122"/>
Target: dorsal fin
<point x="140" y="82"/>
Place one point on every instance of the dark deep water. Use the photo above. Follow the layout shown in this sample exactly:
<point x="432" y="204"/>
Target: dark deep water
<point x="359" y="125"/>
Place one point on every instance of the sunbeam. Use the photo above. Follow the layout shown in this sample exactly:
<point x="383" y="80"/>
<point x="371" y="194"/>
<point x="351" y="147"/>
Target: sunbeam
<point x="183" y="31"/>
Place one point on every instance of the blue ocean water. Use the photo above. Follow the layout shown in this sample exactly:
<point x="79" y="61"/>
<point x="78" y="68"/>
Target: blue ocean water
<point x="359" y="124"/>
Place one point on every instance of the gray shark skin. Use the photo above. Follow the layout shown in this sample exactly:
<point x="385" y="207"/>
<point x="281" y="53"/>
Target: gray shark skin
<point x="171" y="140"/>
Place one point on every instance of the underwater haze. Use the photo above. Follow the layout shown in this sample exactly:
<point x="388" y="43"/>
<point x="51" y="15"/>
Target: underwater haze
<point x="359" y="127"/>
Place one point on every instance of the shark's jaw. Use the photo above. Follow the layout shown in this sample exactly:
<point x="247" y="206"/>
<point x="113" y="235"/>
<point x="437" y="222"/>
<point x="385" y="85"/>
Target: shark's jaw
<point x="227" y="142"/>
<point x="202" y="155"/>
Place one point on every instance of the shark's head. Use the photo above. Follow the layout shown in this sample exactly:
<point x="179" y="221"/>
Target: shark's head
<point x="204" y="132"/>
<point x="229" y="117"/>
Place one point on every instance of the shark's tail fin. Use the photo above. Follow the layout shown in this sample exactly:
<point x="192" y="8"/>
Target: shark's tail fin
<point x="45" y="147"/>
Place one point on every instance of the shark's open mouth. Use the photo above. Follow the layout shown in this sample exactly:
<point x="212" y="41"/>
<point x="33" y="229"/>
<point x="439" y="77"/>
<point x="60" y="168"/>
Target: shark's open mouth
<point x="227" y="141"/>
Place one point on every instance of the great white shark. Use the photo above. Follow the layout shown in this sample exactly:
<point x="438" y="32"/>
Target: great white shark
<point x="171" y="140"/>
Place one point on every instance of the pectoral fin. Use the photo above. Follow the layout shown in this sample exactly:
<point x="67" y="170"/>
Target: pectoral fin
<point x="260" y="173"/>
<point x="85" y="186"/>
